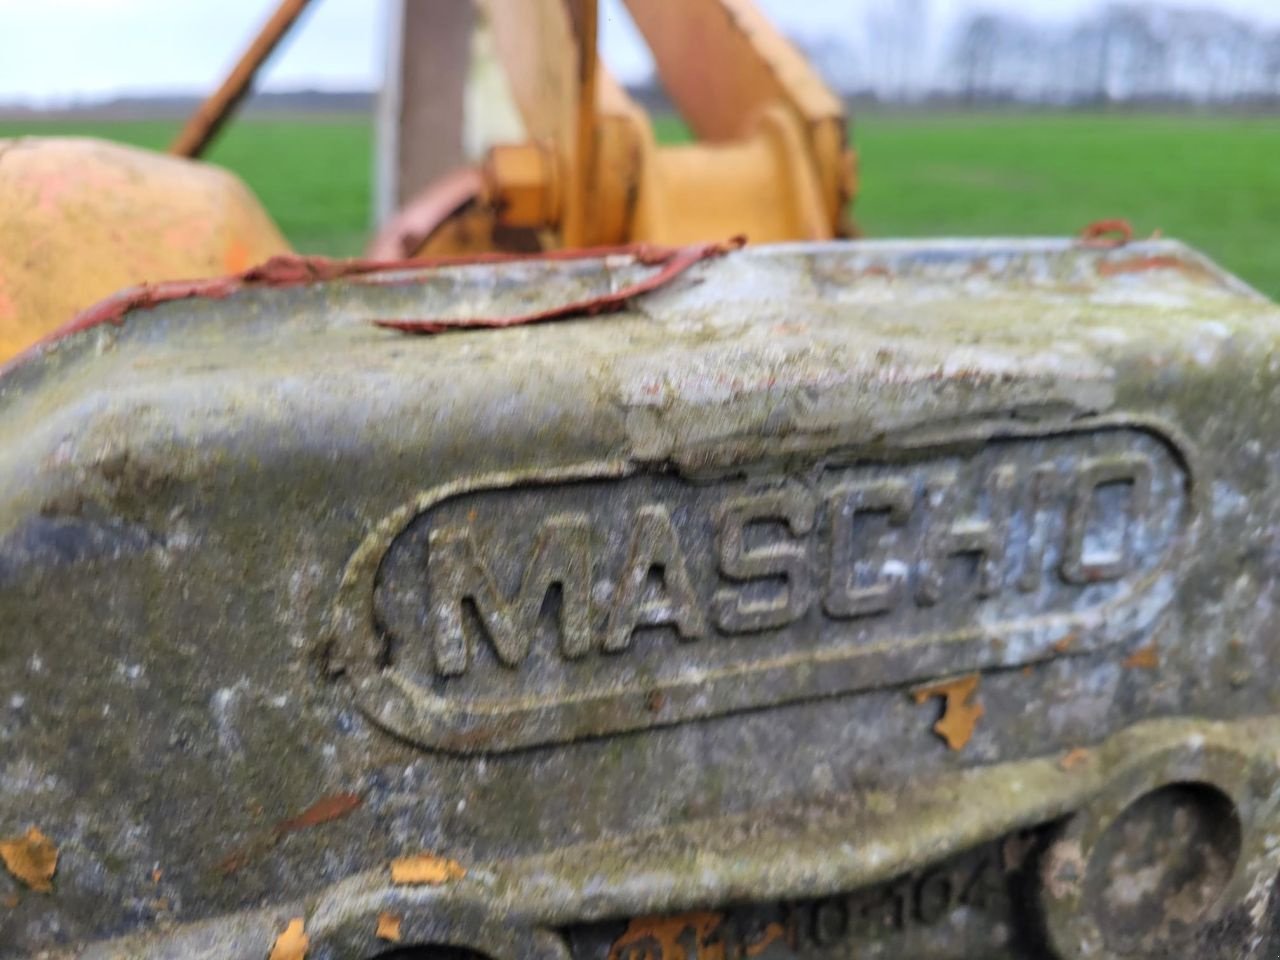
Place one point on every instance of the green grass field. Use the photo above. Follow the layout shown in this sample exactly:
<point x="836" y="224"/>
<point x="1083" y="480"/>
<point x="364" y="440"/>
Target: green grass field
<point x="1213" y="181"/>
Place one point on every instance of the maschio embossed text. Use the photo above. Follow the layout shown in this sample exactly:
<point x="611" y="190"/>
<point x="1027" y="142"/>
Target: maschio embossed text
<point x="547" y="589"/>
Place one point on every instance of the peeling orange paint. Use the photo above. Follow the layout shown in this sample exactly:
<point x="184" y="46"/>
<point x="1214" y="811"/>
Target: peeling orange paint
<point x="425" y="869"/>
<point x="292" y="943"/>
<point x="31" y="858"/>
<point x="662" y="938"/>
<point x="690" y="936"/>
<point x="388" y="927"/>
<point x="960" y="712"/>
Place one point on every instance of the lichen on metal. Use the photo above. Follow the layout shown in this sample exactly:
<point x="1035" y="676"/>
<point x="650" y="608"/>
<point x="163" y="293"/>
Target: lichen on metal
<point x="631" y="632"/>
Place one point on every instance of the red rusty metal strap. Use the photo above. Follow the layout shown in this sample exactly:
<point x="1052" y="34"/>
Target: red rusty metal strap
<point x="292" y="270"/>
<point x="426" y="213"/>
<point x="1160" y="261"/>
<point x="673" y="261"/>
<point x="1106" y="234"/>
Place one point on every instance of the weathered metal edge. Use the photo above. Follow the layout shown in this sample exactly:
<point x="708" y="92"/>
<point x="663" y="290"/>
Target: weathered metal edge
<point x="505" y="909"/>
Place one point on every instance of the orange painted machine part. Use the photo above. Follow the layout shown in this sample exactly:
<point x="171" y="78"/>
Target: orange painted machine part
<point x="548" y="48"/>
<point x="726" y="68"/>
<point x="81" y="219"/>
<point x="772" y="161"/>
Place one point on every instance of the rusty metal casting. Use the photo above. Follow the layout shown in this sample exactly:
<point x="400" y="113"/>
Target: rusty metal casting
<point x="873" y="599"/>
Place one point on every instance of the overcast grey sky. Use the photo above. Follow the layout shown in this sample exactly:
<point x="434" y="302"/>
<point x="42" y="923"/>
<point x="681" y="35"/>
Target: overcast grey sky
<point x="53" y="50"/>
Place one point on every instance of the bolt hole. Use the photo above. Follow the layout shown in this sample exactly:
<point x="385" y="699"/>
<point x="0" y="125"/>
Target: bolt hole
<point x="1159" y="870"/>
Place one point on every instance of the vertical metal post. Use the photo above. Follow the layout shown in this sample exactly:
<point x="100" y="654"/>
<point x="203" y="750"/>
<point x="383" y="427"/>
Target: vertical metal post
<point x="584" y="20"/>
<point x="421" y="108"/>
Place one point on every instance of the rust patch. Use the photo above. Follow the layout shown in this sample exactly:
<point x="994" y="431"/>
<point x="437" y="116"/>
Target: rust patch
<point x="241" y="857"/>
<point x="1113" y="268"/>
<point x="32" y="858"/>
<point x="1144" y="658"/>
<point x="960" y="711"/>
<point x="324" y="810"/>
<point x="425" y="869"/>
<point x="689" y="936"/>
<point x="664" y="938"/>
<point x="1073" y="758"/>
<point x="388" y="927"/>
<point x="672" y="261"/>
<point x="1106" y="234"/>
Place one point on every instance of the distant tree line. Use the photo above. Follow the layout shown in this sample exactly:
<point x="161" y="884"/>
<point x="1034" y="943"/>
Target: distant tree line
<point x="1126" y="51"/>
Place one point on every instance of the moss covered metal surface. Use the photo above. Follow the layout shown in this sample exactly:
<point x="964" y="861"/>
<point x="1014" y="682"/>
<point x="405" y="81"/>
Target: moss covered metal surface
<point x="226" y="594"/>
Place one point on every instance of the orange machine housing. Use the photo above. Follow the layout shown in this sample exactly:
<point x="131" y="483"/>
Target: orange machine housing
<point x="80" y="219"/>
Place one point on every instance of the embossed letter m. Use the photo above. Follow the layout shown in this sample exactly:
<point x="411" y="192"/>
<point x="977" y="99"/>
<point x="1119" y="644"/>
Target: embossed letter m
<point x="457" y="574"/>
